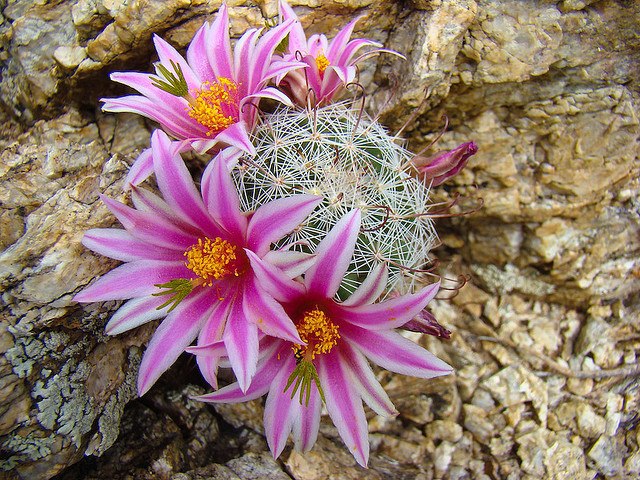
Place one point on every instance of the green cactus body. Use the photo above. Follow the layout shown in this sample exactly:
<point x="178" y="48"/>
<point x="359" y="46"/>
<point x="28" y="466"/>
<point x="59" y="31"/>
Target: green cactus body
<point x="352" y="162"/>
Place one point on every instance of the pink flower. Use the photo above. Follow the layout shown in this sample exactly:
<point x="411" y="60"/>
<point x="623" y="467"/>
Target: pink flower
<point x="329" y="65"/>
<point x="206" y="99"/>
<point x="186" y="259"/>
<point x="338" y="338"/>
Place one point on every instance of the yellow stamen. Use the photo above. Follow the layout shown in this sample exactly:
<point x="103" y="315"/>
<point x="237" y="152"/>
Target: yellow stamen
<point x="213" y="259"/>
<point x="322" y="62"/>
<point x="215" y="105"/>
<point x="318" y="332"/>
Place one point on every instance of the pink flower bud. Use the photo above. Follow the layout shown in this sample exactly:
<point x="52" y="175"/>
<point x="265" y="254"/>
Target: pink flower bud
<point x="444" y="165"/>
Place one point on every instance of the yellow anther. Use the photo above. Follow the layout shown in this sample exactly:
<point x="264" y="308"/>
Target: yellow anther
<point x="318" y="332"/>
<point x="322" y="62"/>
<point x="215" y="105"/>
<point x="213" y="259"/>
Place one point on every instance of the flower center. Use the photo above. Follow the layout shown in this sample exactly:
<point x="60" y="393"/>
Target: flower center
<point x="215" y="105"/>
<point x="214" y="259"/>
<point x="322" y="62"/>
<point x="318" y="332"/>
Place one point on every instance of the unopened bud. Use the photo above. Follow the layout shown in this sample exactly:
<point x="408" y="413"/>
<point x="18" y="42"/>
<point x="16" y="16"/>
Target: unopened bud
<point x="444" y="165"/>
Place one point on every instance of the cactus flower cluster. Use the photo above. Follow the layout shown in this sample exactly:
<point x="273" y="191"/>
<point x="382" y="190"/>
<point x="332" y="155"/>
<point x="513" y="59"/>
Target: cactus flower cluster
<point x="298" y="259"/>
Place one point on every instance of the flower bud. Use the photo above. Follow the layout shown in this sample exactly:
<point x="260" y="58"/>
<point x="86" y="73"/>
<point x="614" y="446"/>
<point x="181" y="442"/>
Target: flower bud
<point x="444" y="165"/>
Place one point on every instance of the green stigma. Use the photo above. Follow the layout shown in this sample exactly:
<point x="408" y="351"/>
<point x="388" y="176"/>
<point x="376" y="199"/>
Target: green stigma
<point x="304" y="373"/>
<point x="171" y="82"/>
<point x="178" y="289"/>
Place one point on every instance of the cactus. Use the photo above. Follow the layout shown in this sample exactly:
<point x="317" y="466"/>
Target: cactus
<point x="340" y="153"/>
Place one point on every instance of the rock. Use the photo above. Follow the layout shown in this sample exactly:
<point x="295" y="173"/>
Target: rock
<point x="607" y="454"/>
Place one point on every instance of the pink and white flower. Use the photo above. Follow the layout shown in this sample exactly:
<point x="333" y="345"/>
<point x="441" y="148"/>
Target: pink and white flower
<point x="187" y="259"/>
<point x="206" y="99"/>
<point x="331" y="364"/>
<point x="330" y="66"/>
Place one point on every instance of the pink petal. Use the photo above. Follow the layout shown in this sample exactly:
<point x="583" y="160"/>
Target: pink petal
<point x="176" y="184"/>
<point x="214" y="349"/>
<point x="344" y="406"/>
<point x="267" y="314"/>
<point x="261" y="56"/>
<point x="346" y="55"/>
<point x="212" y="333"/>
<point x="237" y="135"/>
<point x="275" y="219"/>
<point x="242" y="60"/>
<point x="273" y="94"/>
<point x="141" y="169"/>
<point x="133" y="279"/>
<point x="371" y="288"/>
<point x="279" y="409"/>
<point x="306" y="422"/>
<point x="391" y="313"/>
<point x="220" y="194"/>
<point x="197" y="53"/>
<point x="278" y="69"/>
<point x="340" y="41"/>
<point x="121" y="245"/>
<point x="297" y="37"/>
<point x="219" y="46"/>
<point x="174" y="334"/>
<point x="274" y="281"/>
<point x="333" y="256"/>
<point x="393" y="352"/>
<point x="176" y="123"/>
<point x="146" y="201"/>
<point x="134" y="313"/>
<point x="365" y="382"/>
<point x="292" y="264"/>
<point x="241" y="340"/>
<point x="150" y="228"/>
<point x="268" y="367"/>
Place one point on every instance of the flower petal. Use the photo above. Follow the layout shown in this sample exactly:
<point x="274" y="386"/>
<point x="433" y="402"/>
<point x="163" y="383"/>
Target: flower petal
<point x="340" y="41"/>
<point x="306" y="422"/>
<point x="219" y="46"/>
<point x="150" y="228"/>
<point x="269" y="365"/>
<point x="275" y="219"/>
<point x="333" y="255"/>
<point x="267" y="314"/>
<point x="141" y="169"/>
<point x="371" y="288"/>
<point x="365" y="381"/>
<point x="176" y="184"/>
<point x="133" y="279"/>
<point x="261" y="56"/>
<point x="241" y="340"/>
<point x="344" y="406"/>
<point x="236" y="135"/>
<point x="212" y="332"/>
<point x="292" y="264"/>
<point x="297" y="37"/>
<point x="393" y="352"/>
<point x="279" y="409"/>
<point x="173" y="335"/>
<point x="198" y="50"/>
<point x="391" y="313"/>
<point x="121" y="245"/>
<point x="134" y="313"/>
<point x="274" y="281"/>
<point x="242" y="60"/>
<point x="221" y="197"/>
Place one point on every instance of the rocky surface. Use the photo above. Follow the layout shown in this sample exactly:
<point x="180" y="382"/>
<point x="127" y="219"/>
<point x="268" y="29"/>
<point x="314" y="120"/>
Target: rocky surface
<point x="546" y="333"/>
